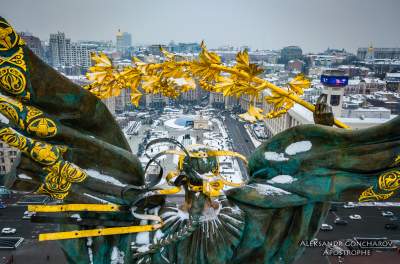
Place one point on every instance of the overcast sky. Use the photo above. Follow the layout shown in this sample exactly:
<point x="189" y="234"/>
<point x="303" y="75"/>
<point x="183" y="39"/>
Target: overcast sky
<point x="264" y="24"/>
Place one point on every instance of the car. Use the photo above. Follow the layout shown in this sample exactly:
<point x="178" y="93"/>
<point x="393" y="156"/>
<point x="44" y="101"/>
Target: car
<point x="326" y="227"/>
<point x="28" y="215"/>
<point x="394" y="218"/>
<point x="349" y="205"/>
<point x="2" y="206"/>
<point x="8" y="230"/>
<point x="339" y="221"/>
<point x="387" y="213"/>
<point x="355" y="217"/>
<point x="391" y="226"/>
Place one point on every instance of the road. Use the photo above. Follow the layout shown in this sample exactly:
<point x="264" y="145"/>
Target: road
<point x="371" y="225"/>
<point x="241" y="140"/>
<point x="30" y="251"/>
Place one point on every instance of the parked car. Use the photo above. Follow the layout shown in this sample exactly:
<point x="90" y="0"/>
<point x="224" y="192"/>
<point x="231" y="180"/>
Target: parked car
<point x="387" y="213"/>
<point x="355" y="217"/>
<point x="349" y="205"/>
<point x="391" y="226"/>
<point x="326" y="227"/>
<point x="339" y="221"/>
<point x="8" y="230"/>
<point x="2" y="206"/>
<point x="28" y="215"/>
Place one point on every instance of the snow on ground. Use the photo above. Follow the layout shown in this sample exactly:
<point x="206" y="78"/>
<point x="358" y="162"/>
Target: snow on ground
<point x="171" y="123"/>
<point x="221" y="127"/>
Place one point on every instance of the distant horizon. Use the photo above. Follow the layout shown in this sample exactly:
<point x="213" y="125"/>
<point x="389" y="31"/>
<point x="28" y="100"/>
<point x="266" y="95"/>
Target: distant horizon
<point x="313" y="25"/>
<point x="222" y="46"/>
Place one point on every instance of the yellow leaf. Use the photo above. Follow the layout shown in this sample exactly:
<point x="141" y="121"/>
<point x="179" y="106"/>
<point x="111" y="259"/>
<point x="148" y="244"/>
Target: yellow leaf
<point x="204" y="72"/>
<point x="253" y="114"/>
<point x="135" y="97"/>
<point x="208" y="57"/>
<point x="256" y="112"/>
<point x="242" y="58"/>
<point x="167" y="54"/>
<point x="150" y="84"/>
<point x="101" y="60"/>
<point x="243" y="64"/>
<point x="299" y="83"/>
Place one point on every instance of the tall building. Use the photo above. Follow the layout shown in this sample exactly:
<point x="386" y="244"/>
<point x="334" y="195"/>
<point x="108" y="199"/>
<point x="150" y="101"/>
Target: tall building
<point x="58" y="49"/>
<point x="80" y="55"/>
<point x="69" y="57"/>
<point x="290" y="53"/>
<point x="123" y="41"/>
<point x="34" y="44"/>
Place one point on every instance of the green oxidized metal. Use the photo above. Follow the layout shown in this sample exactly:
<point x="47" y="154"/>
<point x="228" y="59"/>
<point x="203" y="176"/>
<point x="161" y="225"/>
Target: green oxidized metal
<point x="293" y="176"/>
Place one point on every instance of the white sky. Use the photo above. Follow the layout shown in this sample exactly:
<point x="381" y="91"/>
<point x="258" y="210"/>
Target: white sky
<point x="265" y="24"/>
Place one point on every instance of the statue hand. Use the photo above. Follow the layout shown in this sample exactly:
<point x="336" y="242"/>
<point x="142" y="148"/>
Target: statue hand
<point x="323" y="112"/>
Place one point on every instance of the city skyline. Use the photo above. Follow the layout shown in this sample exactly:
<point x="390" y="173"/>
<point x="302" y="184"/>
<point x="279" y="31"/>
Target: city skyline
<point x="313" y="25"/>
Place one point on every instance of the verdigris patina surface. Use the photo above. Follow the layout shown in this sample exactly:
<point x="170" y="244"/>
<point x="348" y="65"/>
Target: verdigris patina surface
<point x="73" y="150"/>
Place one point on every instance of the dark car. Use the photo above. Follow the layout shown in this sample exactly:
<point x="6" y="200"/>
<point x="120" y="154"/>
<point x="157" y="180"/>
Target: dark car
<point x="333" y="208"/>
<point x="391" y="226"/>
<point x="339" y="221"/>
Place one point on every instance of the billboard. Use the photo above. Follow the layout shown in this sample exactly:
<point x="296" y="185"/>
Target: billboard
<point x="336" y="81"/>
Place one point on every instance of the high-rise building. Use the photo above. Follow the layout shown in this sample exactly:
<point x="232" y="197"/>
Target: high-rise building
<point x="80" y="55"/>
<point x="123" y="41"/>
<point x="58" y="49"/>
<point x="34" y="44"/>
<point x="69" y="57"/>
